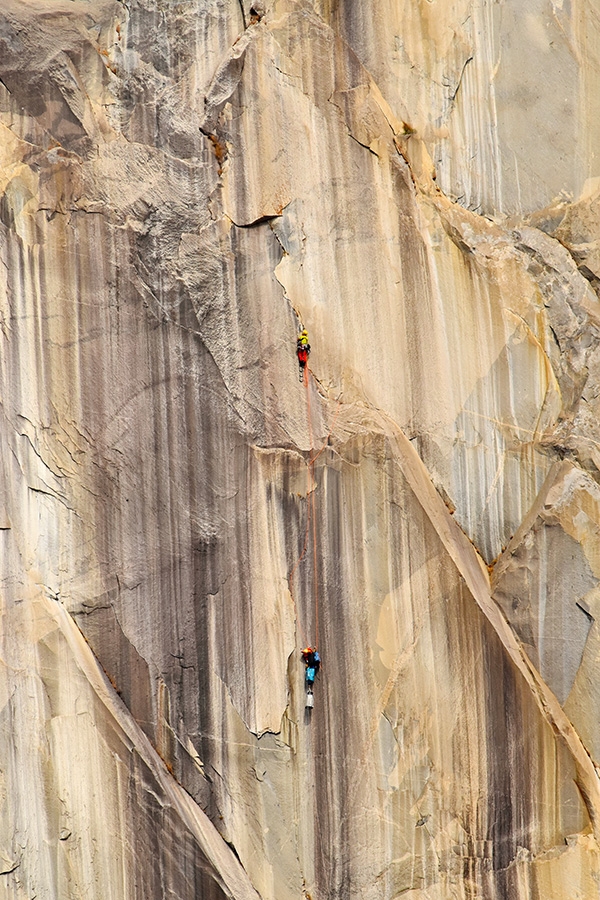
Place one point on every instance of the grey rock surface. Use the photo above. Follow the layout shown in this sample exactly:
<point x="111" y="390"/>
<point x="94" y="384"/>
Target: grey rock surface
<point x="183" y="185"/>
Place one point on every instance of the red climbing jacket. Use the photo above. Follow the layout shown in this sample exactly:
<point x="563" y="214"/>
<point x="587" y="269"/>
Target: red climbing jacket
<point x="303" y="347"/>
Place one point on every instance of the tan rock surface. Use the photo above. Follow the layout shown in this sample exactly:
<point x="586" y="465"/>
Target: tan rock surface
<point x="181" y="186"/>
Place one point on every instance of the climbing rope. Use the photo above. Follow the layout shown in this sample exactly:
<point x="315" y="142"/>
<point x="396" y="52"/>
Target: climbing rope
<point x="311" y="517"/>
<point x="311" y="469"/>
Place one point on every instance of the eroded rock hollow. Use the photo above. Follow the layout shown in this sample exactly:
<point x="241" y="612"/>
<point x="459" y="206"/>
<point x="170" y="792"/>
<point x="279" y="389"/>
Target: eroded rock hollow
<point x="184" y="185"/>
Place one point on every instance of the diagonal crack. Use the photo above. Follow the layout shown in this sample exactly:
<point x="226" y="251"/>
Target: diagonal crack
<point x="476" y="578"/>
<point x="226" y="867"/>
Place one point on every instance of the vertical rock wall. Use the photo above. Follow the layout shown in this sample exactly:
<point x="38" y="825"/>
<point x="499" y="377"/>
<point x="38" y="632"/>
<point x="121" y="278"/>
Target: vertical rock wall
<point x="182" y="185"/>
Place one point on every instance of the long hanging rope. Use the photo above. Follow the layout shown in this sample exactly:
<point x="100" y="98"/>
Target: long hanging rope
<point x="311" y="469"/>
<point x="311" y="518"/>
<point x="309" y="514"/>
<point x="293" y="572"/>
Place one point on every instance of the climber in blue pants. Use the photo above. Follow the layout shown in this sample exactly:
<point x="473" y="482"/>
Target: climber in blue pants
<point x="312" y="661"/>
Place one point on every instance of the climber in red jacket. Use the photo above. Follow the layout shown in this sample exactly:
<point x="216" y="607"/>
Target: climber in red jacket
<point x="303" y="351"/>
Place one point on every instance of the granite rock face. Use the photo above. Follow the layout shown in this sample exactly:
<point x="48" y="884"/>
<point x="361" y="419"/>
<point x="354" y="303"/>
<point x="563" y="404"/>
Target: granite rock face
<point x="183" y="185"/>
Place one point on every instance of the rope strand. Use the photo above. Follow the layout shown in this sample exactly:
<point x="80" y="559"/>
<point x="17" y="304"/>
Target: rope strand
<point x="311" y="516"/>
<point x="311" y="467"/>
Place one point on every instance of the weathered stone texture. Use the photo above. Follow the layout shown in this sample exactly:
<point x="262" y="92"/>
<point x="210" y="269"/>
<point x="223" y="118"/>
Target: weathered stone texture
<point x="182" y="185"/>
